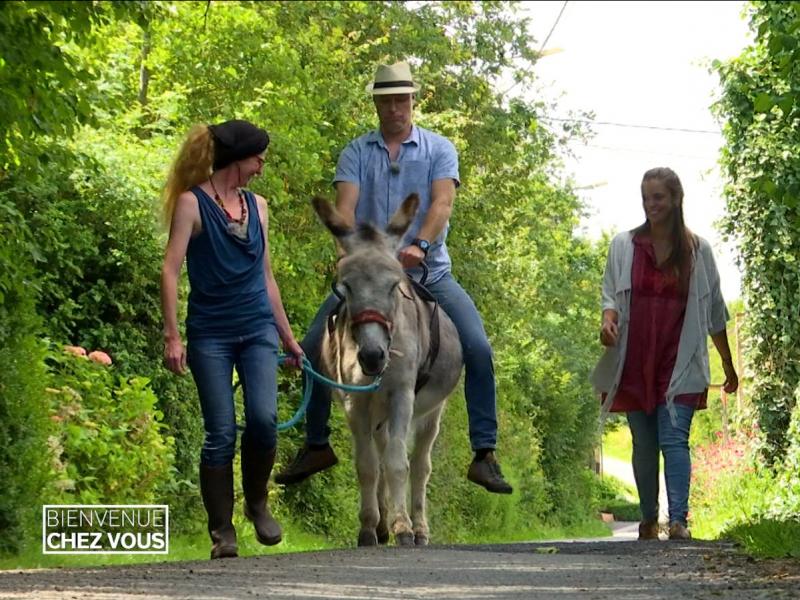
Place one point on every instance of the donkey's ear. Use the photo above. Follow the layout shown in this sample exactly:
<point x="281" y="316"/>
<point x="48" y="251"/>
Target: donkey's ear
<point x="401" y="220"/>
<point x="333" y="220"/>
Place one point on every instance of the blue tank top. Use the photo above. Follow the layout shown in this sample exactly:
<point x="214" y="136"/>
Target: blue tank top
<point x="228" y="291"/>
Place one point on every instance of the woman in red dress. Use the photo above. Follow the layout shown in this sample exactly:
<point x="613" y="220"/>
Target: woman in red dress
<point x="661" y="298"/>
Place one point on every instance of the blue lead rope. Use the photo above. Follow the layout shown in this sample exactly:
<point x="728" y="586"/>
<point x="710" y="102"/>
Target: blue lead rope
<point x="310" y="375"/>
<point x="345" y="387"/>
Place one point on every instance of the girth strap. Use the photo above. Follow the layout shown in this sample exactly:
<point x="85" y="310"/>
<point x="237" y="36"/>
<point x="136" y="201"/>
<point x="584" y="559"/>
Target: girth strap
<point x="424" y="374"/>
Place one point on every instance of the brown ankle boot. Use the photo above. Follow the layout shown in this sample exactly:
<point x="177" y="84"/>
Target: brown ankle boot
<point x="678" y="531"/>
<point x="648" y="530"/>
<point x="256" y="468"/>
<point x="216" y="487"/>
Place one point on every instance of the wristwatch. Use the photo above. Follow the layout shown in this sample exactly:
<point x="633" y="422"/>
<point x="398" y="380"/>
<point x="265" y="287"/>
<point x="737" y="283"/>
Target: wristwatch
<point x="423" y="245"/>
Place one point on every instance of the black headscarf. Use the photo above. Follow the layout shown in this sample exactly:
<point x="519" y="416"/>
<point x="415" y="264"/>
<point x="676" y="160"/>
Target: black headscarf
<point x="235" y="140"/>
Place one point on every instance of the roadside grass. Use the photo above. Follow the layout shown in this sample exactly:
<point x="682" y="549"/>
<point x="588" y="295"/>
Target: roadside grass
<point x="767" y="538"/>
<point x="181" y="548"/>
<point x="739" y="514"/>
<point x="197" y="547"/>
<point x="735" y="496"/>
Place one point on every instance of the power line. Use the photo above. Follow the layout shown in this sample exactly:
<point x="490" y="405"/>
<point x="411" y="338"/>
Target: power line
<point x="553" y="28"/>
<point x="651" y="152"/>
<point x="544" y="43"/>
<point x="631" y="125"/>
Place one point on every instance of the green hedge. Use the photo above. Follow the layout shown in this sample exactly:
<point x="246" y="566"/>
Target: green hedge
<point x="110" y="447"/>
<point x="91" y="194"/>
<point x="24" y="423"/>
<point x="759" y="105"/>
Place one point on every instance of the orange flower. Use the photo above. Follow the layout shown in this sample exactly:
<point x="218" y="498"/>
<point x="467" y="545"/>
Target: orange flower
<point x="101" y="357"/>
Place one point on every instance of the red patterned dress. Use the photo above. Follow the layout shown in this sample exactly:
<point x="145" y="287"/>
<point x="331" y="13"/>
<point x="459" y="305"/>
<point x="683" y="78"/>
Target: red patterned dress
<point x="658" y="306"/>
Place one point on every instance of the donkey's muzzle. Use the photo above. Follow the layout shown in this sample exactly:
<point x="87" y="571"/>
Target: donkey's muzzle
<point x="372" y="361"/>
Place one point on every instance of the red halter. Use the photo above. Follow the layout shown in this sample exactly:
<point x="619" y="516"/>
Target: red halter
<point x="371" y="316"/>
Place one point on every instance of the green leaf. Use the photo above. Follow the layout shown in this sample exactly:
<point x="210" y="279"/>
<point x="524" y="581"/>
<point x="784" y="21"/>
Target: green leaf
<point x="763" y="103"/>
<point x="786" y="103"/>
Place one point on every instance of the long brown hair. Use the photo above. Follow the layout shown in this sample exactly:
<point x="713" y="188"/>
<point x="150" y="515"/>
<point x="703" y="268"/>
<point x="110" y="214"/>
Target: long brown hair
<point x="682" y="240"/>
<point x="192" y="166"/>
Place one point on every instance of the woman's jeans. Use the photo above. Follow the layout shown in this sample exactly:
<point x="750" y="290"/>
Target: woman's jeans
<point x="479" y="382"/>
<point x="211" y="361"/>
<point x="652" y="433"/>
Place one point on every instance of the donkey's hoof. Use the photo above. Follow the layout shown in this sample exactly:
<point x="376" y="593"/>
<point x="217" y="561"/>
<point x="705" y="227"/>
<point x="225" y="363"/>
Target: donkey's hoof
<point x="367" y="537"/>
<point x="405" y="538"/>
<point x="421" y="539"/>
<point x="383" y="535"/>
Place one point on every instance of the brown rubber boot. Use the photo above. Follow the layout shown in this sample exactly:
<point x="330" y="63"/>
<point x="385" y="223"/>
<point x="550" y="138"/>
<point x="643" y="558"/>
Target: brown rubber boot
<point x="486" y="472"/>
<point x="256" y="468"/>
<point x="307" y="462"/>
<point x="216" y="486"/>
<point x="648" y="530"/>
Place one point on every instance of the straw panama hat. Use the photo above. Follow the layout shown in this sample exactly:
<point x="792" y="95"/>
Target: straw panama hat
<point x="393" y="79"/>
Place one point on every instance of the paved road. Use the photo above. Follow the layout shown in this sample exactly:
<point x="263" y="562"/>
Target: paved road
<point x="627" y="570"/>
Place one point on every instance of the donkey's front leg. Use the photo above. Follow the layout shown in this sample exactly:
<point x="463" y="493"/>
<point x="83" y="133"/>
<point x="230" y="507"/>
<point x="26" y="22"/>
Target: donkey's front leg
<point x="381" y="436"/>
<point x="367" y="470"/>
<point x="396" y="465"/>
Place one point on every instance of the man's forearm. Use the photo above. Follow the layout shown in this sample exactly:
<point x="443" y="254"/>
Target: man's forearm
<point x="436" y="219"/>
<point x="443" y="195"/>
<point x="346" y="201"/>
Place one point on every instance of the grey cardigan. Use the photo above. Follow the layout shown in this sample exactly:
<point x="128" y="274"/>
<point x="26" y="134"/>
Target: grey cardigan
<point x="706" y="313"/>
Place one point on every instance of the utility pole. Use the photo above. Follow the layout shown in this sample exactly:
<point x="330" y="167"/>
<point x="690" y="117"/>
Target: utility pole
<point x="739" y="363"/>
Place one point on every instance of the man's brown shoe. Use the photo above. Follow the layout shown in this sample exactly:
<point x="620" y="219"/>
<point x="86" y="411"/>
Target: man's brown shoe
<point x="307" y="462"/>
<point x="486" y="472"/>
<point x="648" y="530"/>
<point x="678" y="531"/>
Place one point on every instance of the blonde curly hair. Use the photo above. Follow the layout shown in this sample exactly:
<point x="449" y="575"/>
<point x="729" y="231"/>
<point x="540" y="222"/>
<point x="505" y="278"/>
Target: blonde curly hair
<point x="192" y="166"/>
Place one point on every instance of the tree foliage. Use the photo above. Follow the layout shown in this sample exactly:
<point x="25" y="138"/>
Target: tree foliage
<point x="133" y="79"/>
<point x="47" y="87"/>
<point x="760" y="108"/>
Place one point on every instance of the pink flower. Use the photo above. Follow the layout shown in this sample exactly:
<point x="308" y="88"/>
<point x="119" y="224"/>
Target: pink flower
<point x="76" y="350"/>
<point x="101" y="357"/>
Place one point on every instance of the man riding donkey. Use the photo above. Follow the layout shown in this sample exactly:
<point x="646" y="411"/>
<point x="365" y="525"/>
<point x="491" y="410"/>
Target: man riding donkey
<point x="375" y="173"/>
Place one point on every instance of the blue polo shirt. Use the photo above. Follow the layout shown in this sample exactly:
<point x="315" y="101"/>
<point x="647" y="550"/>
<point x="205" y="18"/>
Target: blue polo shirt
<point x="424" y="157"/>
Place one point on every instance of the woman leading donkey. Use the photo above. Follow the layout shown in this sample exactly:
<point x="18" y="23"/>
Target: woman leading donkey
<point x="235" y="316"/>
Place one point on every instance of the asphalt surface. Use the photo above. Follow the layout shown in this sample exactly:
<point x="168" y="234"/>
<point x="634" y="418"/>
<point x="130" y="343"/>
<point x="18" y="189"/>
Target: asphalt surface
<point x="616" y="568"/>
<point x="625" y="569"/>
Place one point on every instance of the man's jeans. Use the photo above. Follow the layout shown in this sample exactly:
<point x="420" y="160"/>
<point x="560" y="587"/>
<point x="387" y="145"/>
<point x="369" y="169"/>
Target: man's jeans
<point x="479" y="387"/>
<point x="651" y="433"/>
<point x="256" y="360"/>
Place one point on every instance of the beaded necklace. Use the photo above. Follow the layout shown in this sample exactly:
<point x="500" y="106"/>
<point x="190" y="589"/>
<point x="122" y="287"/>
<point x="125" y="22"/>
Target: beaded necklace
<point x="240" y="221"/>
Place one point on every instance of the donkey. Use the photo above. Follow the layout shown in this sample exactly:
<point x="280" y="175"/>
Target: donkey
<point x="384" y="328"/>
